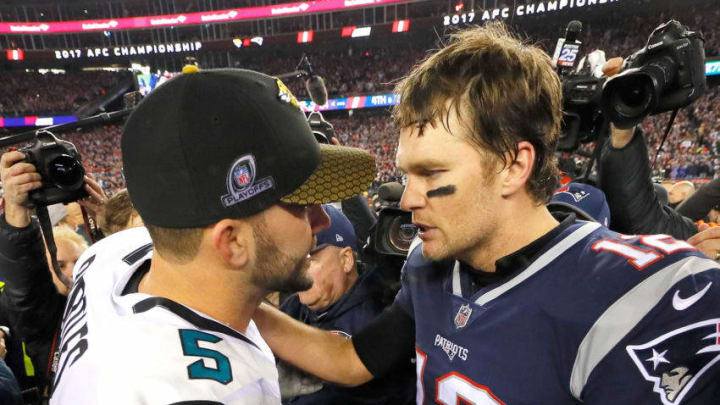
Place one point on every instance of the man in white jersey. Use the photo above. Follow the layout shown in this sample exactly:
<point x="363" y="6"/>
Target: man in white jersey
<point x="225" y="173"/>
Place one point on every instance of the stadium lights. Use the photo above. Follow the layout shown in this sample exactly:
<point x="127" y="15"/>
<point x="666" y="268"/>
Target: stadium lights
<point x="15" y="54"/>
<point x="304" y="37"/>
<point x="355" y="32"/>
<point x="245" y="42"/>
<point x="401" y="26"/>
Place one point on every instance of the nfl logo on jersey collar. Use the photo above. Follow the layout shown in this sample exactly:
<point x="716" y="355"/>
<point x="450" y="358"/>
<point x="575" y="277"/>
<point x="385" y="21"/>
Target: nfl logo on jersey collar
<point x="462" y="316"/>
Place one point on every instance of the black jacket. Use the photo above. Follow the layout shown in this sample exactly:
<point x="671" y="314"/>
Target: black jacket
<point x="354" y="310"/>
<point x="634" y="206"/>
<point x="699" y="204"/>
<point x="33" y="304"/>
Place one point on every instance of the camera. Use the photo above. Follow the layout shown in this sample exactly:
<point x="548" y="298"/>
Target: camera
<point x="668" y="73"/>
<point x="394" y="231"/>
<point x="60" y="168"/>
<point x="582" y="116"/>
<point x="321" y="129"/>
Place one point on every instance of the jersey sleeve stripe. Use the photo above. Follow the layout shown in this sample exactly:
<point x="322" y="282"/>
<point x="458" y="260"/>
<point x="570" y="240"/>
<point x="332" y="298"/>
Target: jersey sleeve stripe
<point x="625" y="313"/>
<point x="542" y="261"/>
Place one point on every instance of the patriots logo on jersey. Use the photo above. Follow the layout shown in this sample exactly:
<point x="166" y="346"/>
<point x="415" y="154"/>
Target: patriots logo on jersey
<point x="675" y="361"/>
<point x="462" y="316"/>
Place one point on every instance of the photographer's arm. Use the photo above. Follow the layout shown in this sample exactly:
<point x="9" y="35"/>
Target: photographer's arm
<point x="33" y="302"/>
<point x="625" y="179"/>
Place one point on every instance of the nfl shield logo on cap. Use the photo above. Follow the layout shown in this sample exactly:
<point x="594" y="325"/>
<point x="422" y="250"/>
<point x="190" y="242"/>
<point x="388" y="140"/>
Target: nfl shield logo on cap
<point x="462" y="316"/>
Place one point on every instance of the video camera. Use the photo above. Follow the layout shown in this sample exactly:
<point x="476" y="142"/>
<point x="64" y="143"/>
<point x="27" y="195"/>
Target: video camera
<point x="394" y="231"/>
<point x="668" y="73"/>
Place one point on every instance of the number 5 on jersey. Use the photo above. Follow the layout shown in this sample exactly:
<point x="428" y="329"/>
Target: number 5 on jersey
<point x="190" y="339"/>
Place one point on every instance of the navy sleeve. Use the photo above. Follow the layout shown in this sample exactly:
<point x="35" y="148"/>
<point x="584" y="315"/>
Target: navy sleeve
<point x="670" y="351"/>
<point x="387" y="342"/>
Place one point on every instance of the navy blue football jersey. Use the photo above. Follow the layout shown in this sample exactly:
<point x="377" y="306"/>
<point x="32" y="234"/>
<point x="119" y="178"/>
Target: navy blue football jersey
<point x="595" y="318"/>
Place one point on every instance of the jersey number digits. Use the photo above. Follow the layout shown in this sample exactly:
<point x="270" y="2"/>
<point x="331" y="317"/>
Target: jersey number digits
<point x="189" y="339"/>
<point x="453" y="388"/>
<point x="641" y="258"/>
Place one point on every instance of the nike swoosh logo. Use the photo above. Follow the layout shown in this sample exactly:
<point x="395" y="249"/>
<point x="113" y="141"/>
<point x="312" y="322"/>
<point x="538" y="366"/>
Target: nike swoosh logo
<point x="682" y="304"/>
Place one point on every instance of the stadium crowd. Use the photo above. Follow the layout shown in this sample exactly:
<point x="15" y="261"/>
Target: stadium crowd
<point x="33" y="93"/>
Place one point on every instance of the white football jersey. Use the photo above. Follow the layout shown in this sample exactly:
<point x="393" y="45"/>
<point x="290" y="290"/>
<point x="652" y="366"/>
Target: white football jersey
<point x="141" y="349"/>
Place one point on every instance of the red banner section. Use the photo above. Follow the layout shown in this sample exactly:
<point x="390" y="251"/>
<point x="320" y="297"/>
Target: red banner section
<point x="204" y="17"/>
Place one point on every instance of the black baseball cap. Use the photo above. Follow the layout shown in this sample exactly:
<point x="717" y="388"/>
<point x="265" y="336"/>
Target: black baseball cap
<point x="229" y="143"/>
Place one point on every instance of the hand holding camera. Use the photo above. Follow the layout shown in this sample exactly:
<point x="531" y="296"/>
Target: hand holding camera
<point x="18" y="178"/>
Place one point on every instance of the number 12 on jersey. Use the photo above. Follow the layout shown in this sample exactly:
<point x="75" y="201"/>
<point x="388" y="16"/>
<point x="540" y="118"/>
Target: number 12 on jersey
<point x="453" y="388"/>
<point x="638" y="257"/>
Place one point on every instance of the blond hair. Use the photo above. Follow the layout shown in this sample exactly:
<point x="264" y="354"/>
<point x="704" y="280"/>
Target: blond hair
<point x="64" y="232"/>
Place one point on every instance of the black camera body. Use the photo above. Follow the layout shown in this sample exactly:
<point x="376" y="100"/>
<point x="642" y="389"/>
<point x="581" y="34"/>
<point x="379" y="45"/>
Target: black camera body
<point x="60" y="168"/>
<point x="581" y="112"/>
<point x="668" y="73"/>
<point x="321" y="129"/>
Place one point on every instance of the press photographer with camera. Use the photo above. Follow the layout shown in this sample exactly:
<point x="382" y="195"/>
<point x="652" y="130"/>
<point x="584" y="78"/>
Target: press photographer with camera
<point x="666" y="74"/>
<point x="34" y="301"/>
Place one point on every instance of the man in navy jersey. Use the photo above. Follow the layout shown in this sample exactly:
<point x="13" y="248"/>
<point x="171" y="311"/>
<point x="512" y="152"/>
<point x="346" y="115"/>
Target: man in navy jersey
<point x="501" y="302"/>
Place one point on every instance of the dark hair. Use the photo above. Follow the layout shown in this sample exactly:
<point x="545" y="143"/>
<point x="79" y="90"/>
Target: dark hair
<point x="178" y="245"/>
<point x="508" y="88"/>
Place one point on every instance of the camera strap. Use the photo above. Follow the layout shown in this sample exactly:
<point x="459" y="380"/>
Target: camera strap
<point x="667" y="131"/>
<point x="91" y="226"/>
<point x="46" y="226"/>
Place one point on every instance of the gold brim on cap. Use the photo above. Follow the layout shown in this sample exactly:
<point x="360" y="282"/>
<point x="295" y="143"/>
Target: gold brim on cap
<point x="343" y="173"/>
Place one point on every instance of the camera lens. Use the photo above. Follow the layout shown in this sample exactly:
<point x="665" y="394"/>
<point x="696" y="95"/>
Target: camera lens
<point x="402" y="232"/>
<point x="632" y="95"/>
<point x="633" y="99"/>
<point x="65" y="172"/>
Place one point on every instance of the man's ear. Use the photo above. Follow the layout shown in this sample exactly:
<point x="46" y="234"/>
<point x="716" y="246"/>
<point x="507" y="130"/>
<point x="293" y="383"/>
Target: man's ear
<point x="347" y="258"/>
<point x="231" y="238"/>
<point x="519" y="169"/>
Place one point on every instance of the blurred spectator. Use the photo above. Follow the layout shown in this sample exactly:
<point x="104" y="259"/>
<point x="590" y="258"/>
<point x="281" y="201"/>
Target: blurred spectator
<point x="679" y="192"/>
<point x="119" y="214"/>
<point x="70" y="245"/>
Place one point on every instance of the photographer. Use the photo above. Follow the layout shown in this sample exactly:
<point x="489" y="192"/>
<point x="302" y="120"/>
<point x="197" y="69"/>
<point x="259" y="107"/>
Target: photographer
<point x="626" y="180"/>
<point x="32" y="299"/>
